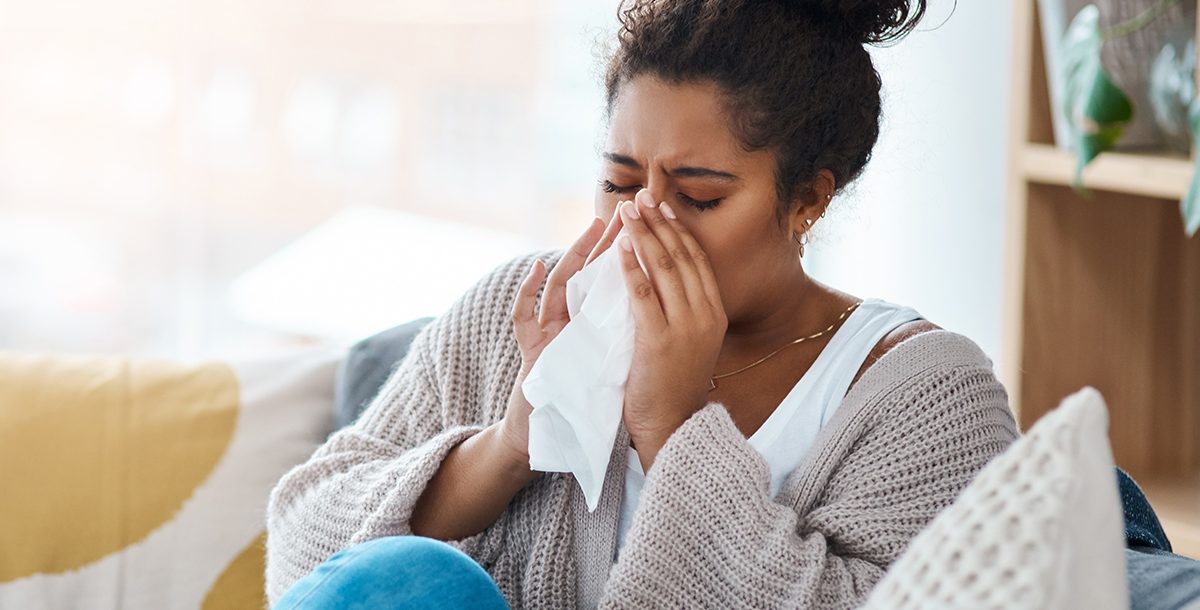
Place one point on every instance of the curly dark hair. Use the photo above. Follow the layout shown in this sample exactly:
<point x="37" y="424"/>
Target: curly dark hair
<point x="795" y="75"/>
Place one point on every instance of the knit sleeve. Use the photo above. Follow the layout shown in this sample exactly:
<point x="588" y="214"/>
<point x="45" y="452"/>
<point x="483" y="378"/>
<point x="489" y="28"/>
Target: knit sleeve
<point x="706" y="533"/>
<point x="365" y="480"/>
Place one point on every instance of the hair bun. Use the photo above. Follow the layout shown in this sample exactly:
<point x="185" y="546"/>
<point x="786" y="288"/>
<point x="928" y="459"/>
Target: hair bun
<point x="870" y="21"/>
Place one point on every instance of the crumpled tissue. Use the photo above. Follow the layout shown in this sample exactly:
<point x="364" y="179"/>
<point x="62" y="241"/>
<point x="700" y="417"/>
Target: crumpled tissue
<point x="577" y="385"/>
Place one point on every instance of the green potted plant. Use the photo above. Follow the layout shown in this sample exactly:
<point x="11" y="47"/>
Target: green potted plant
<point x="1095" y="107"/>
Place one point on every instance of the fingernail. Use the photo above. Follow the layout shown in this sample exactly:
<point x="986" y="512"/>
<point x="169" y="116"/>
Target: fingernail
<point x="666" y="210"/>
<point x="630" y="210"/>
<point x="626" y="243"/>
<point x="643" y="197"/>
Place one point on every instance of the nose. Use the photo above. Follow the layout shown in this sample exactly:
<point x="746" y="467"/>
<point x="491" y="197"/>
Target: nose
<point x="647" y="196"/>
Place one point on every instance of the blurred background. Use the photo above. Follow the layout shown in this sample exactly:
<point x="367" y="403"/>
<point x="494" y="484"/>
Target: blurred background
<point x="199" y="179"/>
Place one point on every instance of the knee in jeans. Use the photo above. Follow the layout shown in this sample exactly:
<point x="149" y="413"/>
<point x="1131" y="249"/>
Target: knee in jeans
<point x="403" y="571"/>
<point x="426" y="555"/>
<point x="428" y="549"/>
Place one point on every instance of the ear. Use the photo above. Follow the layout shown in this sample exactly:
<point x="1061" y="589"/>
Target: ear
<point x="808" y="212"/>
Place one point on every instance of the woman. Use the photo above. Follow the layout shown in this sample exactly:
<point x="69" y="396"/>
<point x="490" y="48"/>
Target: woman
<point x="782" y="441"/>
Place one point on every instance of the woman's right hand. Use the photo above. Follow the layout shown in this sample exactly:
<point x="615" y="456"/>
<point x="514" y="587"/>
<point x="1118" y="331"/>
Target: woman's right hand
<point x="535" y="330"/>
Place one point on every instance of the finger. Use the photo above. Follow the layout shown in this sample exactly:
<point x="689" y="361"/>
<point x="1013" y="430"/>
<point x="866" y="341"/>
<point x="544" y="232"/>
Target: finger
<point x="661" y="225"/>
<point x="525" y="325"/>
<point x="647" y="310"/>
<point x="661" y="267"/>
<point x="554" y="300"/>
<point x="610" y="234"/>
<point x="699" y="259"/>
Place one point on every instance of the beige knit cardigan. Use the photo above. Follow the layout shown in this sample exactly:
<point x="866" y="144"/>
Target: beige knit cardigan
<point x="909" y="435"/>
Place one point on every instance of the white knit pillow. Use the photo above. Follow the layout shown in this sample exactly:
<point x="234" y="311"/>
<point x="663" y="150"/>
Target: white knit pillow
<point x="1040" y="527"/>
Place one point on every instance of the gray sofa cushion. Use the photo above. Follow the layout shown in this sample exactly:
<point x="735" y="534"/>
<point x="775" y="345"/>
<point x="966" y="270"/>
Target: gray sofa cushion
<point x="368" y="364"/>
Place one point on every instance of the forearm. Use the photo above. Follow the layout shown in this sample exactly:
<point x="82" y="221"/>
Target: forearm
<point x="355" y="488"/>
<point x="471" y="489"/>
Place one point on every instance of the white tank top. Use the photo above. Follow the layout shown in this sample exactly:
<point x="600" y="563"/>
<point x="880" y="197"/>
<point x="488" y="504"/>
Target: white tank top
<point x="790" y="430"/>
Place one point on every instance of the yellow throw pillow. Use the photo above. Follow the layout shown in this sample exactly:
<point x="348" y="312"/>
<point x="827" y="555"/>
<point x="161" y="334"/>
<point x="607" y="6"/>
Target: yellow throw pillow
<point x="143" y="483"/>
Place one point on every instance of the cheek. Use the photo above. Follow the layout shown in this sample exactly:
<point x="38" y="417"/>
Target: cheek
<point x="600" y="205"/>
<point x="606" y="210"/>
<point x="717" y="246"/>
<point x="737" y="251"/>
<point x="604" y="205"/>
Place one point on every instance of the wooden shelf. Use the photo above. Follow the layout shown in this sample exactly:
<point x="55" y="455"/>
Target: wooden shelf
<point x="1177" y="504"/>
<point x="1161" y="176"/>
<point x="1105" y="294"/>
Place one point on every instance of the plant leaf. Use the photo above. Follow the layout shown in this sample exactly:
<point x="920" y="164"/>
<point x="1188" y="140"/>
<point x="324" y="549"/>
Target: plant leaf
<point x="1097" y="110"/>
<point x="1190" y="206"/>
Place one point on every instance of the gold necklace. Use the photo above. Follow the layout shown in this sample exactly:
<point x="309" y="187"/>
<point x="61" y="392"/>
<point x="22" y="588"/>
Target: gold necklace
<point x="712" y="381"/>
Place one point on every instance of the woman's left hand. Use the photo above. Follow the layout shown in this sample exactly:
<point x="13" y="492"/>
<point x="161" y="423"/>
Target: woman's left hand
<point x="680" y="323"/>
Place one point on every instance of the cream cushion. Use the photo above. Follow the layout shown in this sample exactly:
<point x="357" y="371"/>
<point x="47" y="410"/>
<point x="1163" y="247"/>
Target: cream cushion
<point x="1040" y="527"/>
<point x="139" y="484"/>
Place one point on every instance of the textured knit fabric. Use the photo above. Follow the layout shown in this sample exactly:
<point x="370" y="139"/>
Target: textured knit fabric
<point x="911" y="433"/>
<point x="788" y="433"/>
<point x="358" y="384"/>
<point x="1039" y="528"/>
<point x="367" y="366"/>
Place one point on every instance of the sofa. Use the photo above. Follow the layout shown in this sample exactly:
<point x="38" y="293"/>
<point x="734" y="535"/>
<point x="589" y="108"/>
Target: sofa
<point x="131" y="484"/>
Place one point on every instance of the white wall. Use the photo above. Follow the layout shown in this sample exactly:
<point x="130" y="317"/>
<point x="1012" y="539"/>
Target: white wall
<point x="924" y="225"/>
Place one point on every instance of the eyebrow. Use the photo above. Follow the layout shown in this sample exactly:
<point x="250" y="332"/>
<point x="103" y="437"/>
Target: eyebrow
<point x="684" y="172"/>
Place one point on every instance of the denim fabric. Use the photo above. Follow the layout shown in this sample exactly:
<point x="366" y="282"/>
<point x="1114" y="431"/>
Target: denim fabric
<point x="1141" y="524"/>
<point x="1159" y="580"/>
<point x="392" y="573"/>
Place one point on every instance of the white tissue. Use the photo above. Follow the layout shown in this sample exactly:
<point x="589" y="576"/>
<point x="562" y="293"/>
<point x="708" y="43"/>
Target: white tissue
<point x="577" y="385"/>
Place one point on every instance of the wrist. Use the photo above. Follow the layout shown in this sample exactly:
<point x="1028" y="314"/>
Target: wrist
<point x="648" y="444"/>
<point x="648" y="438"/>
<point x="513" y="461"/>
<point x="651" y="431"/>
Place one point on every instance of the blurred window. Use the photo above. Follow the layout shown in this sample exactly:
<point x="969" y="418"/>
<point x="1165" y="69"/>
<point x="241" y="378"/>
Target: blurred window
<point x="155" y="154"/>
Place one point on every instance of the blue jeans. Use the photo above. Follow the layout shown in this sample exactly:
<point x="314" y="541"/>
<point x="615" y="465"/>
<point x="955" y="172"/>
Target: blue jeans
<point x="395" y="572"/>
<point x="1161" y="580"/>
<point x="425" y="574"/>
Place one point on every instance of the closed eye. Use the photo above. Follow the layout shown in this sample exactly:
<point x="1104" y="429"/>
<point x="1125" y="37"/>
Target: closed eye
<point x="701" y="206"/>
<point x="609" y="187"/>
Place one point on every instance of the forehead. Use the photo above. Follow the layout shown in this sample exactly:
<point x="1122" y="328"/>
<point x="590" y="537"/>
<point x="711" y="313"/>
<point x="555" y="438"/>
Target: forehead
<point x="652" y="117"/>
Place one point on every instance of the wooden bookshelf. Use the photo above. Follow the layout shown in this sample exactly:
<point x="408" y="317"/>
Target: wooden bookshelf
<point x="1103" y="289"/>
<point x="1159" y="176"/>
